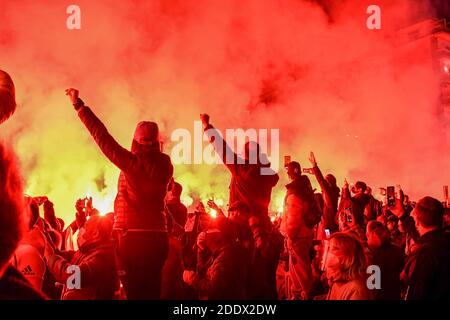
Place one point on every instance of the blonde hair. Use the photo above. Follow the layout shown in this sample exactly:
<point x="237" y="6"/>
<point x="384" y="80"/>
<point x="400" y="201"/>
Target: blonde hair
<point x="351" y="256"/>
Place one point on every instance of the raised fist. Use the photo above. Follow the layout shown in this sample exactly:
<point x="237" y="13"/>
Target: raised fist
<point x="205" y="119"/>
<point x="73" y="95"/>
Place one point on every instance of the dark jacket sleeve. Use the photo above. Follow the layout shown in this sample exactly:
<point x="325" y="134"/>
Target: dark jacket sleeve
<point x="228" y="156"/>
<point x="218" y="282"/>
<point x="50" y="216"/>
<point x="57" y="265"/>
<point x="91" y="268"/>
<point x="118" y="155"/>
<point x="321" y="180"/>
<point x="420" y="267"/>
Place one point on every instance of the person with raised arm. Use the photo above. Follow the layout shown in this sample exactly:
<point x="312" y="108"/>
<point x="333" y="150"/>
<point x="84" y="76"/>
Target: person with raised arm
<point x="139" y="222"/>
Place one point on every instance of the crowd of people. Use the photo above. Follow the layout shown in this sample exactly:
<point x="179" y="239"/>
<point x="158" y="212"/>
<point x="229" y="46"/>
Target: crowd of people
<point x="328" y="243"/>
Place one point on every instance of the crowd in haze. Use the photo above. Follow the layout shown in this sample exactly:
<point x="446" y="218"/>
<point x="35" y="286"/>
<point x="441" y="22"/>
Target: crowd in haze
<point x="151" y="247"/>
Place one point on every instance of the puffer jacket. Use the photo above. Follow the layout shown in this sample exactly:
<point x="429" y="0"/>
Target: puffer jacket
<point x="145" y="174"/>
<point x="296" y="206"/>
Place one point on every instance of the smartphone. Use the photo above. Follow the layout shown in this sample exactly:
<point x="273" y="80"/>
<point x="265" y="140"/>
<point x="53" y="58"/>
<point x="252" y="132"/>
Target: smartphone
<point x="308" y="170"/>
<point x="445" y="192"/>
<point x="327" y="233"/>
<point x="287" y="160"/>
<point x="390" y="195"/>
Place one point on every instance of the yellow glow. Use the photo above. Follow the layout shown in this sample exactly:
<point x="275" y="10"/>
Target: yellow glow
<point x="186" y="200"/>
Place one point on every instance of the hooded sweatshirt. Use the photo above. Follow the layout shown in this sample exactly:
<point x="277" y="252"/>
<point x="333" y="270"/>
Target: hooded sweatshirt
<point x="145" y="174"/>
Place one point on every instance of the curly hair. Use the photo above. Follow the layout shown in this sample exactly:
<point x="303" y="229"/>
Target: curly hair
<point x="11" y="206"/>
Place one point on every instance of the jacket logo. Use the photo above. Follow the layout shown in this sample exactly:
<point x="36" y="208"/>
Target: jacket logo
<point x="28" y="271"/>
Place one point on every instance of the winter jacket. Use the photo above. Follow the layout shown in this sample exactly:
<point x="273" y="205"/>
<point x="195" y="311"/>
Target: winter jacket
<point x="330" y="196"/>
<point x="13" y="286"/>
<point x="97" y="271"/>
<point x="427" y="270"/>
<point x="226" y="276"/>
<point x="390" y="258"/>
<point x="297" y="205"/>
<point x="145" y="174"/>
<point x="247" y="182"/>
<point x="31" y="264"/>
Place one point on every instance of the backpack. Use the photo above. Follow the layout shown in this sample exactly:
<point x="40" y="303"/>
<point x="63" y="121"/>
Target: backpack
<point x="314" y="215"/>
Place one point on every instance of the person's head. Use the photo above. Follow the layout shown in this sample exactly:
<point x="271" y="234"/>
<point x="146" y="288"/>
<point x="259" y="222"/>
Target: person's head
<point x="7" y="96"/>
<point x="359" y="187"/>
<point x="226" y="227"/>
<point x="175" y="191"/>
<point x="346" y="260"/>
<point x="377" y="234"/>
<point x="428" y="215"/>
<point x="239" y="213"/>
<point x="392" y="223"/>
<point x="406" y="200"/>
<point x="96" y="229"/>
<point x="331" y="180"/>
<point x="210" y="239"/>
<point x="294" y="170"/>
<point x="447" y="217"/>
<point x="12" y="207"/>
<point x="146" y="136"/>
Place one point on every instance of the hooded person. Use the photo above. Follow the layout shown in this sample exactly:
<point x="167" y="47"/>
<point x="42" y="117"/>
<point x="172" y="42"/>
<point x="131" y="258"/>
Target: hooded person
<point x="225" y="274"/>
<point x="262" y="259"/>
<point x="139" y="222"/>
<point x="95" y="259"/>
<point x="7" y="96"/>
<point x="252" y="179"/>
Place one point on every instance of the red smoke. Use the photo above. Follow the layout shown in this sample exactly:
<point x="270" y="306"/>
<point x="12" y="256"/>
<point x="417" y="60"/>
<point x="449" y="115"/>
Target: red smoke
<point x="365" y="106"/>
